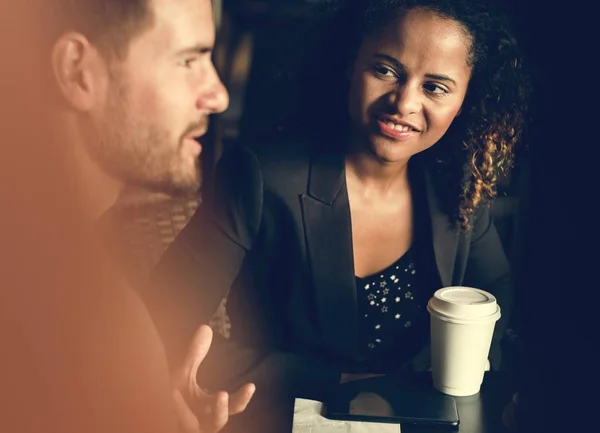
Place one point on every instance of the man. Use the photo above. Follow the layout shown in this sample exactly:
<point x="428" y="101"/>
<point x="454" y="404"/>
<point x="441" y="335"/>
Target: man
<point x="136" y="86"/>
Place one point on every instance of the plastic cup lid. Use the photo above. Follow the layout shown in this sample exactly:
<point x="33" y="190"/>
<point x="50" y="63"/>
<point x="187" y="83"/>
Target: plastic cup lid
<point x="464" y="303"/>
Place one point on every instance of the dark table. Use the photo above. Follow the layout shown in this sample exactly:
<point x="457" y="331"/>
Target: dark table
<point x="481" y="413"/>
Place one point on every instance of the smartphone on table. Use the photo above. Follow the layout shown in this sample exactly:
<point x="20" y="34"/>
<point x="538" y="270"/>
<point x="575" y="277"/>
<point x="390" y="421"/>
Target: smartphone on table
<point x="388" y="401"/>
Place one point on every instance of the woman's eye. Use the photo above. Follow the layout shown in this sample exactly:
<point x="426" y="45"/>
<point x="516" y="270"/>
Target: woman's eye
<point x="383" y="71"/>
<point x="435" y="89"/>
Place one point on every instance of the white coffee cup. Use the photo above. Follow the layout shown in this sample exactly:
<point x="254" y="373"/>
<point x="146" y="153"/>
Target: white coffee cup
<point x="462" y="325"/>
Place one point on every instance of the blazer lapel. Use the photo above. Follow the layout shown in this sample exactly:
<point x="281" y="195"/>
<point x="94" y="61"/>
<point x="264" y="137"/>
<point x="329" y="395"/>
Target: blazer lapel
<point x="327" y="225"/>
<point x="444" y="233"/>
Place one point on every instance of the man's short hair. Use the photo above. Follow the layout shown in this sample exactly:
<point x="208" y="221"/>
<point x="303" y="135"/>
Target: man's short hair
<point x="108" y="24"/>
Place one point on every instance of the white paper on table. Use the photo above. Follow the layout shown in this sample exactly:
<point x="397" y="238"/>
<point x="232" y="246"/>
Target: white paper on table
<point x="308" y="419"/>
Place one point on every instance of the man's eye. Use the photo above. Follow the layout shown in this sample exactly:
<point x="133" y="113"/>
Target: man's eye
<point x="187" y="63"/>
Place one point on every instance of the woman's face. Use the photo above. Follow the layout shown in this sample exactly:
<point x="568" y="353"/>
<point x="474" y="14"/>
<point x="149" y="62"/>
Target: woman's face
<point x="408" y="84"/>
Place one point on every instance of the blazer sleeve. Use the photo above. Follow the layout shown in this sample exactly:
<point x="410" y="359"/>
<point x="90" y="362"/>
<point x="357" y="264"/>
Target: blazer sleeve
<point x="488" y="268"/>
<point x="196" y="273"/>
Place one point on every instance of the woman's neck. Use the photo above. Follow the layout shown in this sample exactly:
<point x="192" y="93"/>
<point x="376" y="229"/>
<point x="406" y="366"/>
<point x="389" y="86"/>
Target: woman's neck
<point x="376" y="177"/>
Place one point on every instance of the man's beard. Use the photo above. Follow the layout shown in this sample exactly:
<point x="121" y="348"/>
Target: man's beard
<point x="141" y="153"/>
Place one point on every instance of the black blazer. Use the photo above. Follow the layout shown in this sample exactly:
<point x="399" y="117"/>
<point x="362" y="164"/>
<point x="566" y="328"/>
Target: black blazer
<point x="276" y="234"/>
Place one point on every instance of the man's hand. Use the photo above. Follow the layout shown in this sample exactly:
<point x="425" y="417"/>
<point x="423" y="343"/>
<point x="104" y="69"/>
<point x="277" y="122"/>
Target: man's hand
<point x="213" y="410"/>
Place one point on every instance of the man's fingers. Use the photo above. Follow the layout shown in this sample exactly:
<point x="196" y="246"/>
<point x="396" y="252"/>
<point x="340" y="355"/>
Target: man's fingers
<point x="239" y="400"/>
<point x="200" y="345"/>
<point x="187" y="419"/>
<point x="196" y="353"/>
<point x="217" y="407"/>
<point x="218" y="413"/>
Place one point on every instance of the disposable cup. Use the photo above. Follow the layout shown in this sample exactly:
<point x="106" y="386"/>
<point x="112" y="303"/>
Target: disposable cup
<point x="462" y="325"/>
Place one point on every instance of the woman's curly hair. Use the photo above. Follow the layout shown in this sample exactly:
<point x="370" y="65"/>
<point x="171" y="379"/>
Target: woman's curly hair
<point x="479" y="146"/>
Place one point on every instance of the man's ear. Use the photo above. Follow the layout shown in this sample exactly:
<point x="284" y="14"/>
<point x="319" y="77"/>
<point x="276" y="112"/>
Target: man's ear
<point x="75" y="66"/>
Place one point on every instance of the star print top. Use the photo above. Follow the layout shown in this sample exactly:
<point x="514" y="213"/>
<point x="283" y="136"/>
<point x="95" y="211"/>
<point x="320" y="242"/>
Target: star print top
<point x="390" y="304"/>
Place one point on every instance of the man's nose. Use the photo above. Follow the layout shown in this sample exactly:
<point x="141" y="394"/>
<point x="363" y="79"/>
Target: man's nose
<point x="213" y="97"/>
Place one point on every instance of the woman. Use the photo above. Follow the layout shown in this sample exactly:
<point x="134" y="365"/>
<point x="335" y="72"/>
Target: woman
<point x="331" y="246"/>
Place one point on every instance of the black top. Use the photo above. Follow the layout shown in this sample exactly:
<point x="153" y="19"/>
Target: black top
<point x="389" y="303"/>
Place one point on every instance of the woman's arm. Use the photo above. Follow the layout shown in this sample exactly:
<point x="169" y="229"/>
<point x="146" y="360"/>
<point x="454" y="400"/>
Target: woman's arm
<point x="201" y="264"/>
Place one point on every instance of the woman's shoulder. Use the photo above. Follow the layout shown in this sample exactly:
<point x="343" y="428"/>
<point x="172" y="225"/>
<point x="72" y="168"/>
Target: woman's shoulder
<point x="282" y="151"/>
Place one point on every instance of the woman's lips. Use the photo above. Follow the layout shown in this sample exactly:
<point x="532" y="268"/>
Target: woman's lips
<point x="394" y="130"/>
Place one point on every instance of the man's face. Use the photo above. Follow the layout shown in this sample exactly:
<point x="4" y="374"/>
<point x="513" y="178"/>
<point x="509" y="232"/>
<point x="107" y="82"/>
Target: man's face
<point x="158" y="99"/>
